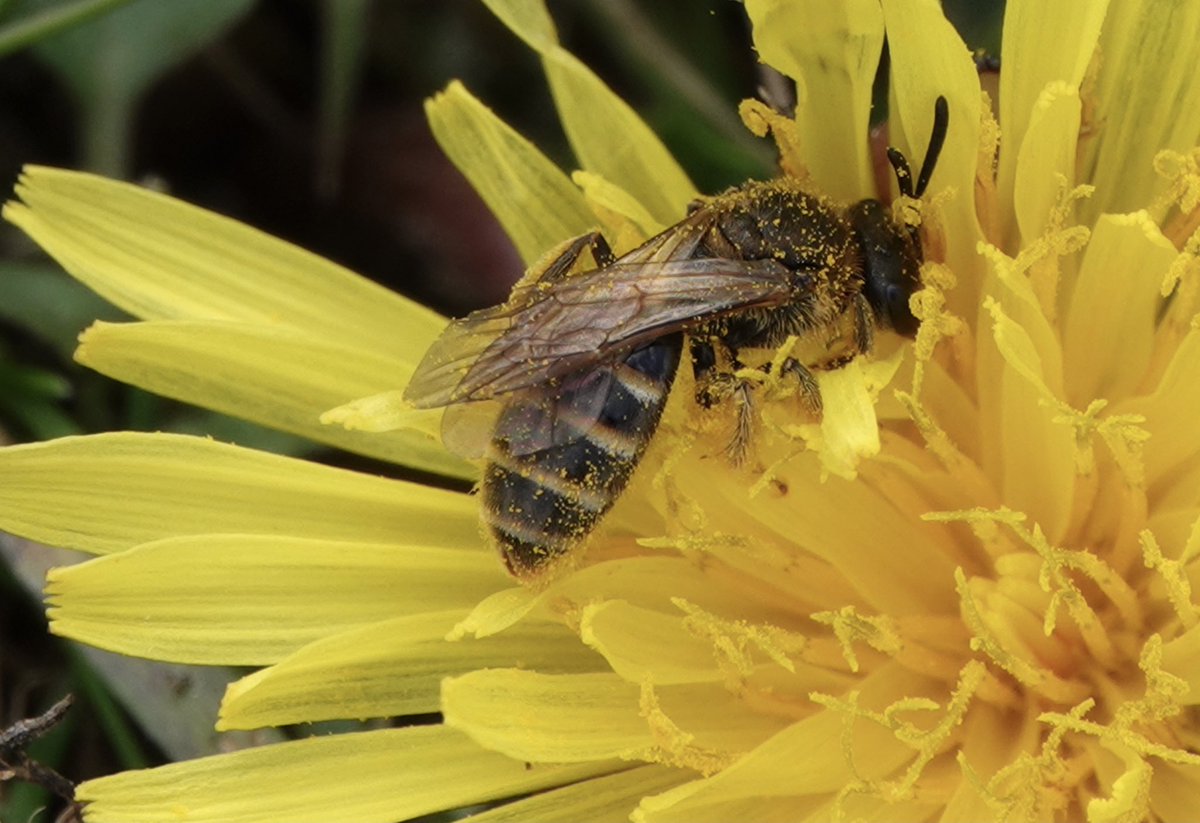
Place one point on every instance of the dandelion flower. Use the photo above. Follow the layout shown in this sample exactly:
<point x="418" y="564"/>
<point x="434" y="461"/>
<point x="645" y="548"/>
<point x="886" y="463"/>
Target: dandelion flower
<point x="965" y="593"/>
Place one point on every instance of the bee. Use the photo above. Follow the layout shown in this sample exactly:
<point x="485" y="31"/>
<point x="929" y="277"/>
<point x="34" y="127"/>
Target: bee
<point x="578" y="363"/>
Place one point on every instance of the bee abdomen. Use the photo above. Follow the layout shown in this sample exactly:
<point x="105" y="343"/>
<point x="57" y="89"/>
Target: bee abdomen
<point x="539" y="504"/>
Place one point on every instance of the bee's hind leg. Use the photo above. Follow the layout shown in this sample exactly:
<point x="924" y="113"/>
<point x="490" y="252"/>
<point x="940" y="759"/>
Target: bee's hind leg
<point x="564" y="264"/>
<point x="710" y="387"/>
<point x="810" y="392"/>
<point x="714" y="385"/>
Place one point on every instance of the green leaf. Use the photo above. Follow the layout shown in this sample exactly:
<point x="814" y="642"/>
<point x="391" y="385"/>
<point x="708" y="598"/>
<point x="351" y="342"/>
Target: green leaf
<point x="345" y="25"/>
<point x="109" y="62"/>
<point x="49" y="304"/>
<point x="17" y="34"/>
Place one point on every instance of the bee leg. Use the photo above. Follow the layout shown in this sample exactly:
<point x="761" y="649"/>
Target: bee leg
<point x="602" y="253"/>
<point x="864" y="337"/>
<point x="739" y="443"/>
<point x="714" y="386"/>
<point x="704" y="367"/>
<point x="564" y="264"/>
<point x="809" y="390"/>
<point x="864" y="325"/>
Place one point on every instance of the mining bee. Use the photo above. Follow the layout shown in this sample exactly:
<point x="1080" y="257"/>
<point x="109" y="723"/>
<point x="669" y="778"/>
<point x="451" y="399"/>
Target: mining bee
<point x="577" y="364"/>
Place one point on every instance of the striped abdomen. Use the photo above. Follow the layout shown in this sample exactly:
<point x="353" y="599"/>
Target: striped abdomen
<point x="561" y="456"/>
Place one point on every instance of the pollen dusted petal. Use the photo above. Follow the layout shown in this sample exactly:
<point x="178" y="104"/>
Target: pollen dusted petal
<point x="369" y="777"/>
<point x="390" y="668"/>
<point x="107" y="492"/>
<point x="1110" y="326"/>
<point x="835" y="59"/>
<point x="204" y="599"/>
<point x="608" y="137"/>
<point x="271" y="375"/>
<point x="849" y="428"/>
<point x="654" y="582"/>
<point x="159" y="258"/>
<point x="533" y="199"/>
<point x="385" y="412"/>
<point x="891" y="560"/>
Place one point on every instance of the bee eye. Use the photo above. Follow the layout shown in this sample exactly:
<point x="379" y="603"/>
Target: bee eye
<point x="899" y="314"/>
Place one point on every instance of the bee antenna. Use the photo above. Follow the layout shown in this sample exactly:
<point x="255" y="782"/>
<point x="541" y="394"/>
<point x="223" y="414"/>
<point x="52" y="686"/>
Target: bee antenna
<point x="903" y="172"/>
<point x="904" y="178"/>
<point x="937" y="139"/>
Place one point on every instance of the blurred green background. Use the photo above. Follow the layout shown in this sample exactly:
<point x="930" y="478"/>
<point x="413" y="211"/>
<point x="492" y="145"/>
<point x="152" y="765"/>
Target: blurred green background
<point x="303" y="118"/>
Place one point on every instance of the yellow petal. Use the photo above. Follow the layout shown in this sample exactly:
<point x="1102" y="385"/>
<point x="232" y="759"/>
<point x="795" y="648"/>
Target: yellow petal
<point x="276" y="376"/>
<point x="645" y="645"/>
<point x="1130" y="794"/>
<point x="849" y="427"/>
<point x="529" y="20"/>
<point x="578" y="717"/>
<point x="937" y="62"/>
<point x="831" y="48"/>
<point x="531" y="716"/>
<point x="536" y="203"/>
<point x="252" y="599"/>
<point x="992" y="739"/>
<point x="608" y="136"/>
<point x="393" y="667"/>
<point x="605" y="197"/>
<point x="159" y="258"/>
<point x="1043" y="44"/>
<point x="1111" y="322"/>
<point x="107" y="492"/>
<point x="607" y="799"/>
<point x="1147" y="99"/>
<point x="369" y="777"/>
<point x="892" y="562"/>
<point x="1169" y="413"/>
<point x="385" y="412"/>
<point x="1181" y="657"/>
<point x="812" y="756"/>
<point x="1034" y="452"/>
<point x="1046" y="160"/>
<point x="1174" y="791"/>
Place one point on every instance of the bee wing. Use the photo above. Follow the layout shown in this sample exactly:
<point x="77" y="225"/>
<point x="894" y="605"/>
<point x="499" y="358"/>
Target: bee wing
<point x="440" y="377"/>
<point x="586" y="320"/>
<point x="538" y="418"/>
<point x="531" y="419"/>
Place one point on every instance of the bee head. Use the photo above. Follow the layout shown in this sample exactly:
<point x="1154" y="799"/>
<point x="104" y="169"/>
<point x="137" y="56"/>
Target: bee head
<point x="892" y="253"/>
<point x="891" y="265"/>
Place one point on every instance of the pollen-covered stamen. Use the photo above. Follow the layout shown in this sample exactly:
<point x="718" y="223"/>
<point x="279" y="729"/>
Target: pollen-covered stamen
<point x="879" y="632"/>
<point x="1174" y="577"/>
<point x="927" y="742"/>
<point x="674" y="746"/>
<point x="998" y="633"/>
<point x="1181" y="170"/>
